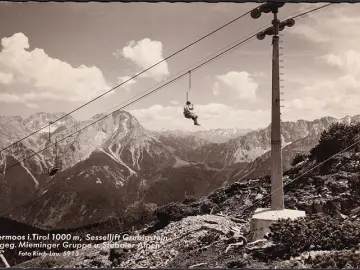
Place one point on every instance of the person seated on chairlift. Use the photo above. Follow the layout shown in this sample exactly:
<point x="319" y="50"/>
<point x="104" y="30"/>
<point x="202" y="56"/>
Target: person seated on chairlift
<point x="53" y="170"/>
<point x="189" y="113"/>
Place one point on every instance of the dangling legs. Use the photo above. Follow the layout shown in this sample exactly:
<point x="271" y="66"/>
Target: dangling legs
<point x="195" y="117"/>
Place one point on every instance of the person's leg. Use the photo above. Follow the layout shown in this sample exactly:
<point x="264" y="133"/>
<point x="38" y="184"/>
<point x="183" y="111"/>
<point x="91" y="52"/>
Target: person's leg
<point x="195" y="120"/>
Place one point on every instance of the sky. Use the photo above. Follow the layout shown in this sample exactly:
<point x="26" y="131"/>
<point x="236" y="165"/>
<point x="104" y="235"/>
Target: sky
<point x="55" y="57"/>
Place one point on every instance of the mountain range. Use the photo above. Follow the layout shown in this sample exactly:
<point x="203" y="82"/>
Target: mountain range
<point x="214" y="231"/>
<point x="218" y="135"/>
<point x="113" y="164"/>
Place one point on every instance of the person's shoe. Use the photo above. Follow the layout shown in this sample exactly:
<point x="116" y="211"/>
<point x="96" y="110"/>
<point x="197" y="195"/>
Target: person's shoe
<point x="196" y="124"/>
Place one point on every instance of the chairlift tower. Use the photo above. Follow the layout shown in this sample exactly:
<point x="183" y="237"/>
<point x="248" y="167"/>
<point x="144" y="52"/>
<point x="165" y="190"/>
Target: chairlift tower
<point x="277" y="190"/>
<point x="263" y="218"/>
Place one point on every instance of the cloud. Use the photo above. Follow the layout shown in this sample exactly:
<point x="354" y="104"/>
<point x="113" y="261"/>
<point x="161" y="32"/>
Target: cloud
<point x="310" y="33"/>
<point x="46" y="77"/>
<point x="128" y="84"/>
<point x="174" y="102"/>
<point x="347" y="61"/>
<point x="216" y="89"/>
<point x="336" y="25"/>
<point x="213" y="115"/>
<point x="11" y="98"/>
<point x="260" y="75"/>
<point x="6" y="78"/>
<point x="146" y="53"/>
<point x="336" y="96"/>
<point x="334" y="87"/>
<point x="240" y="82"/>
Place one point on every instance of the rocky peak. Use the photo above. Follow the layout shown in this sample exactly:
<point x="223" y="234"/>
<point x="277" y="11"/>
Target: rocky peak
<point x="41" y="119"/>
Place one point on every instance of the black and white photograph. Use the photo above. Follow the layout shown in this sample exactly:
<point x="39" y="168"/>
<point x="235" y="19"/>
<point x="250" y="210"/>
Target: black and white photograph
<point x="179" y="135"/>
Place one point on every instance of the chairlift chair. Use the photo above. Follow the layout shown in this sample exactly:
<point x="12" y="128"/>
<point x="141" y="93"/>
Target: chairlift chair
<point x="53" y="170"/>
<point x="187" y="114"/>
